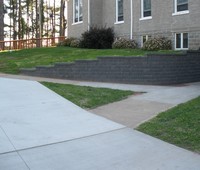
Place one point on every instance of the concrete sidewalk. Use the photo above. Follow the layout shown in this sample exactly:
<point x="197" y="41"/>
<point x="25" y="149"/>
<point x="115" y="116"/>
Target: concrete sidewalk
<point x="138" y="108"/>
<point x="41" y="130"/>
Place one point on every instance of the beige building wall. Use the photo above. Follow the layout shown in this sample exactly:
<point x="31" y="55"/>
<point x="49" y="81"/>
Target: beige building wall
<point x="109" y="18"/>
<point x="163" y="22"/>
<point x="96" y="13"/>
<point x="76" y="29"/>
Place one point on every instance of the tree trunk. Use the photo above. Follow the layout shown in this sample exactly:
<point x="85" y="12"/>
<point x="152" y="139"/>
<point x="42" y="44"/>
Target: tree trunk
<point x="1" y="20"/>
<point x="1" y="24"/>
<point x="14" y="11"/>
<point x="37" y="9"/>
<point x="62" y="18"/>
<point x="19" y="21"/>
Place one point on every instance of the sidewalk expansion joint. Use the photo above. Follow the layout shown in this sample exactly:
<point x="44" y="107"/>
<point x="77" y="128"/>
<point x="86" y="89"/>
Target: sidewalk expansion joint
<point x="60" y="142"/>
<point x="15" y="150"/>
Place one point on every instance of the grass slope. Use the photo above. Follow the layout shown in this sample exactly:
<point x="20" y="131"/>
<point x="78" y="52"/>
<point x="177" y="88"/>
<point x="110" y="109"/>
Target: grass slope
<point x="11" y="62"/>
<point x="88" y="97"/>
<point x="179" y="125"/>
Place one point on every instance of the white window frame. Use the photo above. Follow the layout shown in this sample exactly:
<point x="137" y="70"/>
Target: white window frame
<point x="181" y="48"/>
<point x="179" y="12"/>
<point x="142" y="12"/>
<point x="74" y="15"/>
<point x="117" y="10"/>
<point x="147" y="37"/>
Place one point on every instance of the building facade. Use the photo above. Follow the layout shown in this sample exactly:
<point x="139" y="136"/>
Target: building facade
<point x="177" y="20"/>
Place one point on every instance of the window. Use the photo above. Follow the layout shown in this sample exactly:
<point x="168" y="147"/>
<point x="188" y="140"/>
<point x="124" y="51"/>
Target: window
<point x="180" y="7"/>
<point x="146" y="9"/>
<point x="181" y="41"/>
<point x="77" y="11"/>
<point x="119" y="11"/>
<point x="144" y="39"/>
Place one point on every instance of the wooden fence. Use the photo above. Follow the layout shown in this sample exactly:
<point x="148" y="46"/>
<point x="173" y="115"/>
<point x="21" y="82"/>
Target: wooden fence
<point x="30" y="43"/>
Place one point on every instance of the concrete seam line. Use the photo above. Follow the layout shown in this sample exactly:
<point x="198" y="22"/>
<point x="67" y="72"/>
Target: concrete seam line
<point x="39" y="146"/>
<point x="14" y="148"/>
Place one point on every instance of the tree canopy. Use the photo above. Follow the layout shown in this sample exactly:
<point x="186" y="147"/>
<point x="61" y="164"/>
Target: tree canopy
<point x="25" y="19"/>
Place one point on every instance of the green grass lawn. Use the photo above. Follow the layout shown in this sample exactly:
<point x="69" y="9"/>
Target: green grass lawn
<point x="88" y="97"/>
<point x="179" y="125"/>
<point x="11" y="62"/>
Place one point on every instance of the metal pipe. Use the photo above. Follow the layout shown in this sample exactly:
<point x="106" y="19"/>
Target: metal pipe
<point x="131" y="31"/>
<point x="88" y="15"/>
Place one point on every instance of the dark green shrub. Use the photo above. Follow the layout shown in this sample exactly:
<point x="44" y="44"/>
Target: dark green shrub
<point x="157" y="43"/>
<point x="75" y="43"/>
<point x="124" y="43"/>
<point x="97" y="38"/>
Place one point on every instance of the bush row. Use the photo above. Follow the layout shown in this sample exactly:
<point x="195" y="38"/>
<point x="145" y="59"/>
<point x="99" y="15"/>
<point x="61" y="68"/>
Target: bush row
<point x="103" y="38"/>
<point x="122" y="43"/>
<point x="157" y="43"/>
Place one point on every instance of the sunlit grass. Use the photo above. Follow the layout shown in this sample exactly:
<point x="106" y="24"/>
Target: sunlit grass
<point x="88" y="97"/>
<point x="179" y="125"/>
<point x="12" y="61"/>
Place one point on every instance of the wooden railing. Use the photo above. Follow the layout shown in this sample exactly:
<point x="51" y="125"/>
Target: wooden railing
<point x="30" y="43"/>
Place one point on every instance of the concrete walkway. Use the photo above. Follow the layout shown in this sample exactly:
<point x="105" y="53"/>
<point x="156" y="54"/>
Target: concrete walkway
<point x="41" y="130"/>
<point x="138" y="108"/>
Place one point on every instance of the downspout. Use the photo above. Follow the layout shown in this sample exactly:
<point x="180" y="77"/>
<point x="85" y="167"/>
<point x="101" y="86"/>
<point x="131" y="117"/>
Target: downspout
<point x="67" y="27"/>
<point x="131" y="31"/>
<point x="88" y="15"/>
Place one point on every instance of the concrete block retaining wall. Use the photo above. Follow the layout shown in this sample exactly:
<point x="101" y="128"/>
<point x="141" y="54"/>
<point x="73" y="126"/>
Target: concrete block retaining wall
<point x="151" y="69"/>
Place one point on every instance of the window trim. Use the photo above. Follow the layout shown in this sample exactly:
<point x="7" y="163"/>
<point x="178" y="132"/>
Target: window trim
<point x="145" y="18"/>
<point x="142" y="38"/>
<point x="142" y="12"/>
<point x="78" y="22"/>
<point x="116" y="15"/>
<point x="119" y="22"/>
<point x="179" y="12"/>
<point x="181" y="48"/>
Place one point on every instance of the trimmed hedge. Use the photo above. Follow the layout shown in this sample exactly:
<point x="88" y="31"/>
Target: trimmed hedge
<point x="122" y="43"/>
<point x="157" y="43"/>
<point x="67" y="42"/>
<point x="75" y="43"/>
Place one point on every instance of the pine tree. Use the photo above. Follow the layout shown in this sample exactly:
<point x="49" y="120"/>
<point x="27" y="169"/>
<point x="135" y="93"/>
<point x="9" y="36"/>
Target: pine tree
<point x="62" y="18"/>
<point x="34" y="18"/>
<point x="1" y="20"/>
